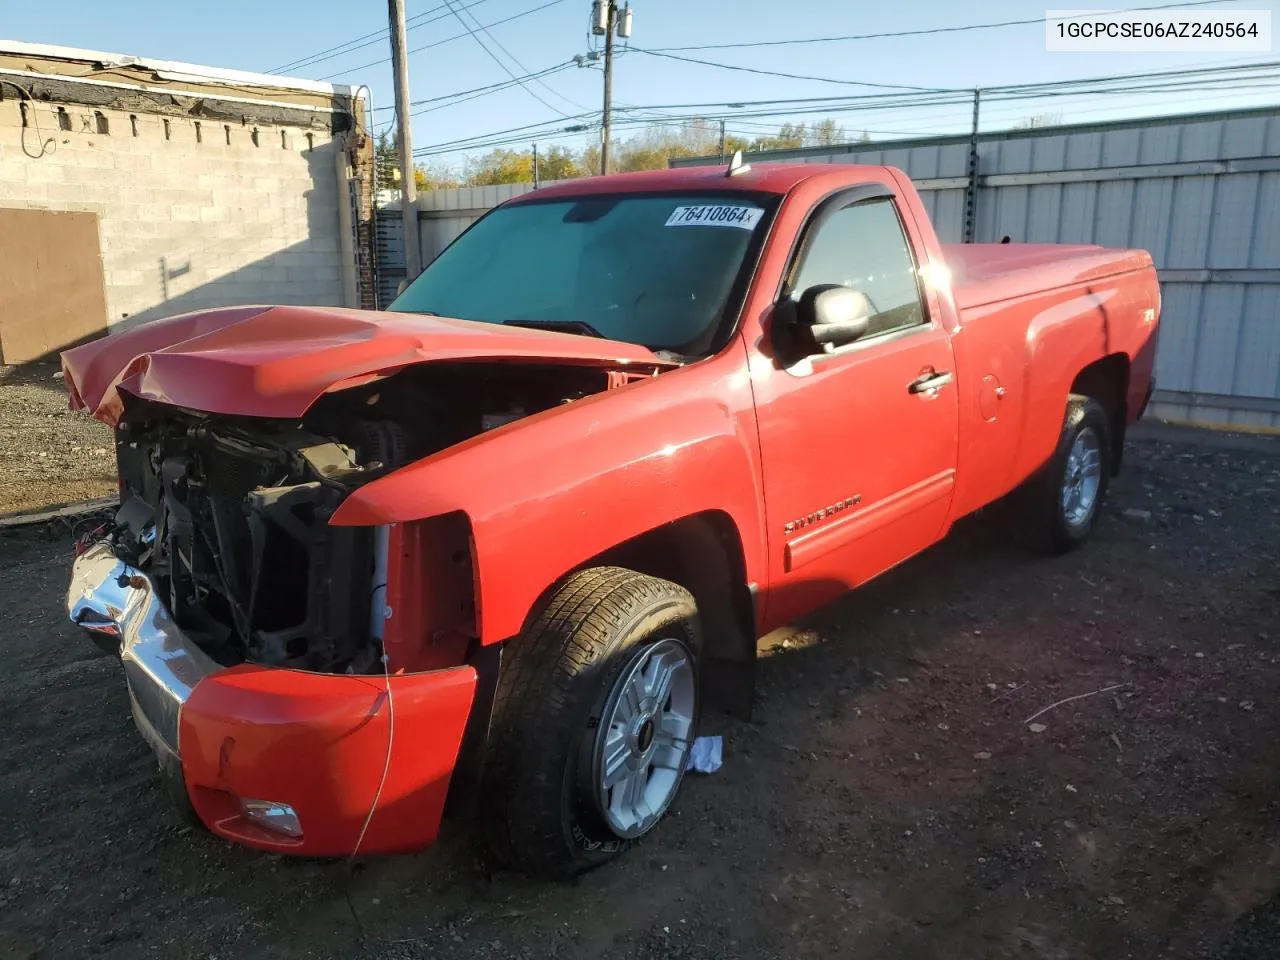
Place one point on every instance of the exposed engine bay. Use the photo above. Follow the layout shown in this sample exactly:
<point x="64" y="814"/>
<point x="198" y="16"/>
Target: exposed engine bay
<point x="229" y="515"/>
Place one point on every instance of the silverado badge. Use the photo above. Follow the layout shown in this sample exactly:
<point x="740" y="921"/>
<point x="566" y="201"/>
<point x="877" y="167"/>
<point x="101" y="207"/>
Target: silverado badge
<point x="831" y="511"/>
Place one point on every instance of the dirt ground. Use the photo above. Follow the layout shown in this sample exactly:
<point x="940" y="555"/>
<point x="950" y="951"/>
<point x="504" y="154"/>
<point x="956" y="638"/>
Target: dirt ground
<point x="892" y="799"/>
<point x="49" y="455"/>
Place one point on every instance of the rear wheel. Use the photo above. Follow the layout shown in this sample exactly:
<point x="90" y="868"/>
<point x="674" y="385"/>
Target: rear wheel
<point x="1058" y="509"/>
<point x="593" y="722"/>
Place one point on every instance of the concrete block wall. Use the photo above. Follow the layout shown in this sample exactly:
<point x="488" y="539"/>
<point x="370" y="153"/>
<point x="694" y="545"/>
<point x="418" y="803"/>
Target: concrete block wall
<point x="193" y="214"/>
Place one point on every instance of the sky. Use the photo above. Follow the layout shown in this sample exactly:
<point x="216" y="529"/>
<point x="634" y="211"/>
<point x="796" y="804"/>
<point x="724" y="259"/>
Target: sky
<point x="266" y="35"/>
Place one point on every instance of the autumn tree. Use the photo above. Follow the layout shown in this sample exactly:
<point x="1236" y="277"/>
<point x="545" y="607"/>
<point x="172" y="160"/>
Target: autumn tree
<point x="386" y="169"/>
<point x="650" y="149"/>
<point x="435" y="178"/>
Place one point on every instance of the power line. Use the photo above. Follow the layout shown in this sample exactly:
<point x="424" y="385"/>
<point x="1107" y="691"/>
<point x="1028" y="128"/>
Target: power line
<point x="1204" y="79"/>
<point x="462" y="97"/>
<point x="964" y="96"/>
<point x="437" y="43"/>
<point x="1102" y="86"/>
<point x="839" y="108"/>
<point x="525" y="130"/>
<point x="1182" y="72"/>
<point x="1201" y="86"/>
<point x="778" y="73"/>
<point x="368" y="40"/>
<point x="528" y="74"/>
<point x="496" y="59"/>
<point x="926" y="31"/>
<point x="959" y="96"/>
<point x="747" y="128"/>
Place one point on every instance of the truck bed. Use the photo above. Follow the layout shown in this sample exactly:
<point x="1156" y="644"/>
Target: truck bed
<point x="984" y="273"/>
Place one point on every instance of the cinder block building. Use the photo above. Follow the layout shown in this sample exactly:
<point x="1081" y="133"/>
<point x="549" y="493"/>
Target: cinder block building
<point x="133" y="189"/>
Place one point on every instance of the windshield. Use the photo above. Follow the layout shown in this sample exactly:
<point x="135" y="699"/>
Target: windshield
<point x="658" y="271"/>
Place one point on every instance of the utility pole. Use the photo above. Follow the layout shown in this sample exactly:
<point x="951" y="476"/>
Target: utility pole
<point x="971" y="191"/>
<point x="722" y="140"/>
<point x="611" y="15"/>
<point x="606" y="19"/>
<point x="408" y="185"/>
<point x="535" y="166"/>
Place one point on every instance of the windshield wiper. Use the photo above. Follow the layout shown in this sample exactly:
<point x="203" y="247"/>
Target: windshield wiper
<point x="577" y="326"/>
<point x="568" y="326"/>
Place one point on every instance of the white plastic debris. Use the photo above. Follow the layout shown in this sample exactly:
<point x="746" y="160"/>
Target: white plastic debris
<point x="707" y="755"/>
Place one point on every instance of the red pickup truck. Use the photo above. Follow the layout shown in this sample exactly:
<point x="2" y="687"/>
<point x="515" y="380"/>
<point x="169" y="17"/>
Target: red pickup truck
<point x="489" y="552"/>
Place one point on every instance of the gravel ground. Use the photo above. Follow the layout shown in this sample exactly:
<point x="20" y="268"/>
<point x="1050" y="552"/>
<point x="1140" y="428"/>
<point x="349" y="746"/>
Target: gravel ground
<point x="49" y="455"/>
<point x="892" y="799"/>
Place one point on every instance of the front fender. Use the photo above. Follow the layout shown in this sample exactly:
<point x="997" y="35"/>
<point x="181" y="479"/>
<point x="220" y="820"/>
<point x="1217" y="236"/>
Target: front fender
<point x="545" y="494"/>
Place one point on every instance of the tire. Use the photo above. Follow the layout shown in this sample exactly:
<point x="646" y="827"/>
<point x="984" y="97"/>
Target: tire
<point x="561" y="701"/>
<point x="1058" y="508"/>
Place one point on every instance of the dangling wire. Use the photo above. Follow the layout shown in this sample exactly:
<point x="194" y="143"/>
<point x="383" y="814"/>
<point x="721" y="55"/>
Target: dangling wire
<point x="46" y="146"/>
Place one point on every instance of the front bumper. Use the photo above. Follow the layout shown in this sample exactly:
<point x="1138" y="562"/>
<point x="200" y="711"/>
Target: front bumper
<point x="318" y="743"/>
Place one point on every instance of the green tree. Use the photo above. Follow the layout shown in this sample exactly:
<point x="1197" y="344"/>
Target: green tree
<point x="386" y="162"/>
<point x="652" y="148"/>
<point x="589" y="159"/>
<point x="500" y="166"/>
<point x="790" y="136"/>
<point x="826" y="133"/>
<point x="559" y="163"/>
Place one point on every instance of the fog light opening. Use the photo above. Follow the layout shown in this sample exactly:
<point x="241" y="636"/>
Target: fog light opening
<point x="278" y="817"/>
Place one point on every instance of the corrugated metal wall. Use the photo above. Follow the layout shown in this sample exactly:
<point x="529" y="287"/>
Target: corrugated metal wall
<point x="1201" y="193"/>
<point x="442" y="215"/>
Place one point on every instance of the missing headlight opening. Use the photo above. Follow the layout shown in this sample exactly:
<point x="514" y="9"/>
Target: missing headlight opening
<point x="230" y="515"/>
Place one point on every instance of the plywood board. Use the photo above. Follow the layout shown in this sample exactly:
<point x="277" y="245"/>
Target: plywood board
<point x="52" y="293"/>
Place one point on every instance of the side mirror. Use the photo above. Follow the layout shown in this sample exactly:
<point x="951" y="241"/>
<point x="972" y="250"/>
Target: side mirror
<point x="835" y="315"/>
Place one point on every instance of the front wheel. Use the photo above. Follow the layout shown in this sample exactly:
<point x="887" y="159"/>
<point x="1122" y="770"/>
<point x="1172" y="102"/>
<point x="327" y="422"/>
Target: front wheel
<point x="593" y="722"/>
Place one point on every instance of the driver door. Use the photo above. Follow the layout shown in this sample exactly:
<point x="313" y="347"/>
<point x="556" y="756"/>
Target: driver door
<point x="858" y="443"/>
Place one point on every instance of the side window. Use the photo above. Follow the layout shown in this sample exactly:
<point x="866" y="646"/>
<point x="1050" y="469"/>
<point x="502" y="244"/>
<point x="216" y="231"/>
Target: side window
<point x="864" y="247"/>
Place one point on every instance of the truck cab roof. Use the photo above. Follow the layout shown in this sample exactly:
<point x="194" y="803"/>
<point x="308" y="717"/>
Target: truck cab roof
<point x="774" y="178"/>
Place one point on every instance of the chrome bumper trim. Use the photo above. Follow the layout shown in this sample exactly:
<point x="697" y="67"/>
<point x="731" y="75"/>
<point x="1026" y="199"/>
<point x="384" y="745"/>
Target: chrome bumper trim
<point x="161" y="665"/>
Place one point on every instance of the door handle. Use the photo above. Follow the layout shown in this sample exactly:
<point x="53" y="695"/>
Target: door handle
<point x="929" y="383"/>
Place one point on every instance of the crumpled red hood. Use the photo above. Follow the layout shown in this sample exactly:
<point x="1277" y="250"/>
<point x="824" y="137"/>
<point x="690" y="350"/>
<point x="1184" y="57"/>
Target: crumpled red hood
<point x="265" y="361"/>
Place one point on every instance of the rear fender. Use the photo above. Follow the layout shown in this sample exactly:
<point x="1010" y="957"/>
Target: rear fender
<point x="1064" y="337"/>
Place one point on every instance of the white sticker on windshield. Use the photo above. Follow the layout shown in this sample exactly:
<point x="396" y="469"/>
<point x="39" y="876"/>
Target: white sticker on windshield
<point x="715" y="216"/>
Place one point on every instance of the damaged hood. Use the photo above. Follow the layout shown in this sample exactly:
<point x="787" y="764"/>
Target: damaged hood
<point x="268" y="361"/>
